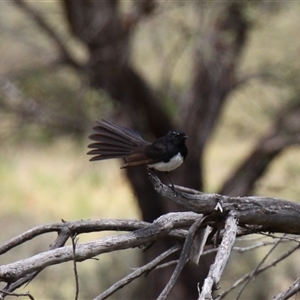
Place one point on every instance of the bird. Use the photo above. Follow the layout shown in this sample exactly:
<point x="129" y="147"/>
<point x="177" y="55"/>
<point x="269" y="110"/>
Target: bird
<point x="111" y="141"/>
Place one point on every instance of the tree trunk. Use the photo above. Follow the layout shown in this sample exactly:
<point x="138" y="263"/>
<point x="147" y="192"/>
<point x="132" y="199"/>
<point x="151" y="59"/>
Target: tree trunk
<point x="101" y="27"/>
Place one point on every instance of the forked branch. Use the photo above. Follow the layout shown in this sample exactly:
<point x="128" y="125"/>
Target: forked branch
<point x="213" y="218"/>
<point x="259" y="213"/>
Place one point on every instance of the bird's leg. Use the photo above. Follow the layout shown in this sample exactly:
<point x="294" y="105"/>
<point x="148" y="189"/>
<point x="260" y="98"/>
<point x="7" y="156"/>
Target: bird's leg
<point x="150" y="170"/>
<point x="173" y="188"/>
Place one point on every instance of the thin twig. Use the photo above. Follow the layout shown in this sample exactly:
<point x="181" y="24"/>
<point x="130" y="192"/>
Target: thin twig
<point x="260" y="270"/>
<point x="16" y="294"/>
<point x="74" y="242"/>
<point x="256" y="268"/>
<point x="138" y="272"/>
<point x="257" y="245"/>
<point x="283" y="237"/>
<point x="175" y="261"/>
<point x="167" y="264"/>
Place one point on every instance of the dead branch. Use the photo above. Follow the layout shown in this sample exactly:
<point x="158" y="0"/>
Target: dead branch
<point x="283" y="133"/>
<point x="137" y="273"/>
<point x="256" y="246"/>
<point x="33" y="14"/>
<point x="78" y="227"/>
<point x="17" y="294"/>
<point x="20" y="272"/>
<point x="216" y="270"/>
<point x="74" y="242"/>
<point x="27" y="108"/>
<point x="253" y="273"/>
<point x="291" y="291"/>
<point x="258" y="271"/>
<point x="263" y="213"/>
<point x="187" y="248"/>
<point x="214" y="217"/>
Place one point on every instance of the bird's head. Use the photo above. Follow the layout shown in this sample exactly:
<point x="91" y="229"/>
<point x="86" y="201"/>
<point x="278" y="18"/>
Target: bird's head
<point x="177" y="137"/>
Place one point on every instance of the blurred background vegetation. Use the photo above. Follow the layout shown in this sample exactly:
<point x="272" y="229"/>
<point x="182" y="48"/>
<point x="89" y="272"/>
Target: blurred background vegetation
<point x="47" y="109"/>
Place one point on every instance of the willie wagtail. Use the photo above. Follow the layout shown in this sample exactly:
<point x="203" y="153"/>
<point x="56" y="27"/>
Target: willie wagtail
<point x="114" y="141"/>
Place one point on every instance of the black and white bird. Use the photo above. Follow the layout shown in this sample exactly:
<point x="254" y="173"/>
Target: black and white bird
<point x="115" y="141"/>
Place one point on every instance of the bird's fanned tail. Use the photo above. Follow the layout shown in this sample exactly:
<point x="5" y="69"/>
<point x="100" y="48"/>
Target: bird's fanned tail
<point x="113" y="141"/>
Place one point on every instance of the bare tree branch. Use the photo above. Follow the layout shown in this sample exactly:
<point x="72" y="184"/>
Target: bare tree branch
<point x="77" y="227"/>
<point x="264" y="213"/>
<point x="160" y="227"/>
<point x="283" y="238"/>
<point x="221" y="213"/>
<point x="74" y="242"/>
<point x="34" y="15"/>
<point x="291" y="291"/>
<point x="256" y="246"/>
<point x="258" y="271"/>
<point x="251" y="276"/>
<point x="216" y="270"/>
<point x="59" y="242"/>
<point x="16" y="295"/>
<point x="28" y="108"/>
<point x="284" y="132"/>
<point x="187" y="248"/>
<point x="137" y="273"/>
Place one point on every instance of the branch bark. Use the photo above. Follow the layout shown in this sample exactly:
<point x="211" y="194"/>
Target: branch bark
<point x="216" y="270"/>
<point x="291" y="291"/>
<point x="161" y="227"/>
<point x="187" y="248"/>
<point x="231" y="216"/>
<point x="264" y="213"/>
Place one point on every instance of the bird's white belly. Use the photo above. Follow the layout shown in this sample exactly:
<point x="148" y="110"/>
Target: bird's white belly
<point x="174" y="163"/>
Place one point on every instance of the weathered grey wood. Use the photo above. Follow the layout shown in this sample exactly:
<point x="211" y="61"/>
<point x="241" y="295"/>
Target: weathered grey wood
<point x="216" y="269"/>
<point x="268" y="214"/>
<point x="160" y="227"/>
<point x="253" y="214"/>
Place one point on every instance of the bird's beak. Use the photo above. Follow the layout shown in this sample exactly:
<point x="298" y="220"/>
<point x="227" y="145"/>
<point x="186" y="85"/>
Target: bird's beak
<point x="185" y="137"/>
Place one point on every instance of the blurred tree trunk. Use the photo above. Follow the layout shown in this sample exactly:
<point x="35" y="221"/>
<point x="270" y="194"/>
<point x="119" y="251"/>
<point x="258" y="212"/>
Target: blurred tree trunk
<point x="107" y="34"/>
<point x="283" y="133"/>
<point x="216" y="62"/>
